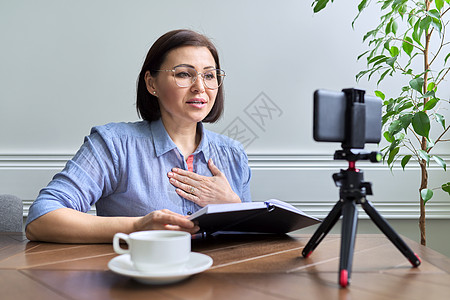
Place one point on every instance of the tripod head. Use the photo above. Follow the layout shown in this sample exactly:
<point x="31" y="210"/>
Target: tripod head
<point x="350" y="156"/>
<point x="353" y="177"/>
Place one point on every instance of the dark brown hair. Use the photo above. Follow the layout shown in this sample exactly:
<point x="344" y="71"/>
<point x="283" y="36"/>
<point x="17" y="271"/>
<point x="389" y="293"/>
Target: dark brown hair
<point x="146" y="104"/>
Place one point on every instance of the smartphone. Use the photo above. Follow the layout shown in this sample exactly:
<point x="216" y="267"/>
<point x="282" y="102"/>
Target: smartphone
<point x="330" y="116"/>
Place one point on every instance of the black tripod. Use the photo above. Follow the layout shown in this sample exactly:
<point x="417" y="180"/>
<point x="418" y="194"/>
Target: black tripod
<point x="353" y="190"/>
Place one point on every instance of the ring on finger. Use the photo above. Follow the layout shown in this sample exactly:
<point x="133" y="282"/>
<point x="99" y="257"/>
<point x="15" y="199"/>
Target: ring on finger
<point x="192" y="190"/>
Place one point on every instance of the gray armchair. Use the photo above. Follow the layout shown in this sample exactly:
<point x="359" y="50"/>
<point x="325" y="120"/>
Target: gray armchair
<point x="11" y="213"/>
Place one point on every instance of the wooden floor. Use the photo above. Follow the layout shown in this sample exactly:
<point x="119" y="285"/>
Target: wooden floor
<point x="245" y="267"/>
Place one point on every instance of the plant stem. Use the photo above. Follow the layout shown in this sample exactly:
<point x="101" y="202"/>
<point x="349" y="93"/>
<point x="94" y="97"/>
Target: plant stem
<point x="423" y="185"/>
<point x="445" y="74"/>
<point x="423" y="144"/>
<point x="439" y="139"/>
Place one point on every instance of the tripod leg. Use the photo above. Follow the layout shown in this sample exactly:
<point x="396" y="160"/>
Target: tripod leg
<point x="323" y="229"/>
<point x="390" y="233"/>
<point x="348" y="235"/>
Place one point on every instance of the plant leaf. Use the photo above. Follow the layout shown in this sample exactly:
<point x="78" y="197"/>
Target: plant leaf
<point x="424" y="155"/>
<point x="402" y="9"/>
<point x="434" y="13"/>
<point x="394" y="144"/>
<point x="392" y="155"/>
<point x="386" y="4"/>
<point x="361" y="55"/>
<point x="411" y="19"/>
<point x="405" y="106"/>
<point x="426" y="194"/>
<point x="446" y="187"/>
<point x="395" y="127"/>
<point x="440" y="162"/>
<point x="439" y="4"/>
<point x="380" y="61"/>
<point x="361" y="74"/>
<point x="445" y="60"/>
<point x="387" y="115"/>
<point x="394" y="51"/>
<point x="430" y="104"/>
<point x="408" y="72"/>
<point x="373" y="59"/>
<point x="421" y="124"/>
<point x="380" y="95"/>
<point x="372" y="71"/>
<point x="429" y="94"/>
<point x="441" y="119"/>
<point x="370" y="33"/>
<point x="388" y="137"/>
<point x="320" y="4"/>
<point x="417" y="33"/>
<point x="388" y="28"/>
<point x="405" y="120"/>
<point x="394" y="27"/>
<point x="436" y="23"/>
<point x="405" y="160"/>
<point x="361" y="6"/>
<point x="383" y="75"/>
<point x="390" y="61"/>
<point x="417" y="84"/>
<point x="425" y="23"/>
<point x="407" y="45"/>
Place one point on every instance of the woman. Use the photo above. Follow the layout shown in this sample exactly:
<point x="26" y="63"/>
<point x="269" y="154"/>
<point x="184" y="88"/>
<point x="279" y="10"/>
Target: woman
<point x="150" y="174"/>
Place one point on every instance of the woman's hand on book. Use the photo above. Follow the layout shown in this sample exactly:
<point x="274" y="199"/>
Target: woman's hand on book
<point x="165" y="220"/>
<point x="203" y="190"/>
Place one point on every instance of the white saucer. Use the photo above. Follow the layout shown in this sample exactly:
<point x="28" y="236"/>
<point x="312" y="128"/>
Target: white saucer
<point x="197" y="263"/>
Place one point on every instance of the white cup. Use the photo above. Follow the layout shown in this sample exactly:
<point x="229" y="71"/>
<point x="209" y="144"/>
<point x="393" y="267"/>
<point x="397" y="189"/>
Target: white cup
<point x="155" y="250"/>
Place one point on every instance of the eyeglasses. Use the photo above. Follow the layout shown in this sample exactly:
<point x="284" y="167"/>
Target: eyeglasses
<point x="186" y="76"/>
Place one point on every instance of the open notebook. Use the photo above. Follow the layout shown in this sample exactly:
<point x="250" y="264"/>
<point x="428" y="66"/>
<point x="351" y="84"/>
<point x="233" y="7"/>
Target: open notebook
<point x="271" y="216"/>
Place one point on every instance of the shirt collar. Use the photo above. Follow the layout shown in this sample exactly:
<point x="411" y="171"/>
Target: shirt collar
<point x="161" y="139"/>
<point x="163" y="143"/>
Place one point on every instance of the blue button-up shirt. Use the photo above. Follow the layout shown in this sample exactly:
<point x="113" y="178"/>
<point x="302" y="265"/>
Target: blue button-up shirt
<point x="122" y="169"/>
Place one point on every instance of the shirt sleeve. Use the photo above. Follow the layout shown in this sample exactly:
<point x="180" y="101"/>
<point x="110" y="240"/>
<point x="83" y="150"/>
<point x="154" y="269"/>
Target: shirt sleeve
<point x="238" y="170"/>
<point x="246" y="176"/>
<point x="89" y="175"/>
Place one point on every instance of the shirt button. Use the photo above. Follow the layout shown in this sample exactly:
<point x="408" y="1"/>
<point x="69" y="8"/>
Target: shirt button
<point x="189" y="213"/>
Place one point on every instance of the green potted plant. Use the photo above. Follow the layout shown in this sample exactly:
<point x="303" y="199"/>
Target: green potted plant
<point x="410" y="42"/>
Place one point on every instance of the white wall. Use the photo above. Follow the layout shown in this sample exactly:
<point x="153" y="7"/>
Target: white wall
<point x="69" y="65"/>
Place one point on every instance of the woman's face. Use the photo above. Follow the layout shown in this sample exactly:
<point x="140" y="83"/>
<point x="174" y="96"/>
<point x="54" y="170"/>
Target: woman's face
<point x="181" y="106"/>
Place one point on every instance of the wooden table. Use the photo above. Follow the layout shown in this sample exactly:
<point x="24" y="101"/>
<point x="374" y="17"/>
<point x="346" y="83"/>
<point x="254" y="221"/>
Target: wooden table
<point x="245" y="267"/>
